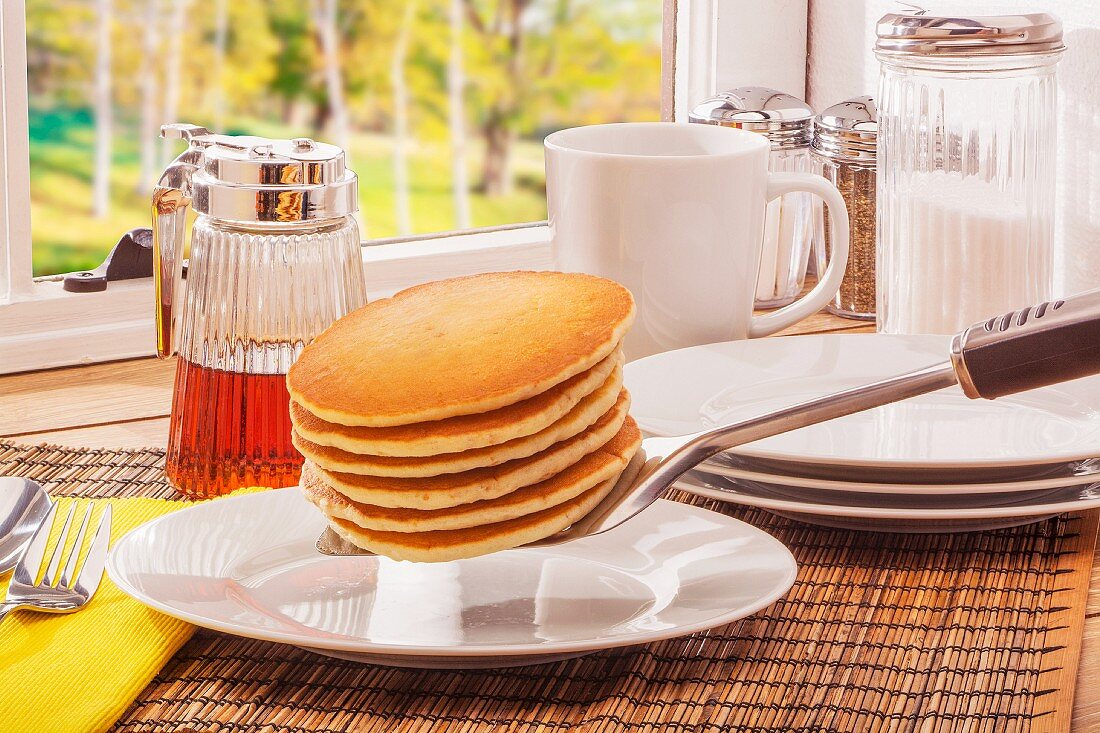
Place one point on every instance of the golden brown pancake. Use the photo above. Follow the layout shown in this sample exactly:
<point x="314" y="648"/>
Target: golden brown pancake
<point x="463" y="432"/>
<point x="460" y="346"/>
<point x="579" y="418"/>
<point x="455" y="544"/>
<point x="594" y="468"/>
<point x="479" y="484"/>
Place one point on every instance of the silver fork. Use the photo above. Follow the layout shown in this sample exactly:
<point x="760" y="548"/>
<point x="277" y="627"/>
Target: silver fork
<point x="64" y="594"/>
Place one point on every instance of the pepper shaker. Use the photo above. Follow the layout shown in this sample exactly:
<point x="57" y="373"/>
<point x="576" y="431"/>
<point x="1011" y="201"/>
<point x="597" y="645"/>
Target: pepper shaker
<point x="844" y="152"/>
<point x="786" y="122"/>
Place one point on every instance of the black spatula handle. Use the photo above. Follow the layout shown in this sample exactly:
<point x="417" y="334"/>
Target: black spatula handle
<point x="1043" y="344"/>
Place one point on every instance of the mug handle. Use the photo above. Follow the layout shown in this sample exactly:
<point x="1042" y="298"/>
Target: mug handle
<point x="829" y="283"/>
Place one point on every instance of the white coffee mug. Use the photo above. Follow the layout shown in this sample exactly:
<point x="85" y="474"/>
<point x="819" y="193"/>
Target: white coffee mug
<point x="675" y="212"/>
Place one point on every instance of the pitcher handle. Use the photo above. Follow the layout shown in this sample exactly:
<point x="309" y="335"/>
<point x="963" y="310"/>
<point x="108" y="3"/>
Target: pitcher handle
<point x="169" y="220"/>
<point x="171" y="198"/>
<point x="829" y="281"/>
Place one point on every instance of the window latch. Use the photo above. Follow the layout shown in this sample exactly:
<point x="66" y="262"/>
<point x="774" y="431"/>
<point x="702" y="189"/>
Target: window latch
<point x="131" y="258"/>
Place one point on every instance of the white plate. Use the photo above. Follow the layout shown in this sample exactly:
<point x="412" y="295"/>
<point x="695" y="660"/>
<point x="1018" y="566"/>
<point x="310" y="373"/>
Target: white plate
<point x="947" y="476"/>
<point x="925" y="513"/>
<point x="693" y="389"/>
<point x="734" y="468"/>
<point x="247" y="566"/>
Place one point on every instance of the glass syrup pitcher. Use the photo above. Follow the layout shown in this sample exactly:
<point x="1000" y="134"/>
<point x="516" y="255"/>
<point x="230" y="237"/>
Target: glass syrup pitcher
<point x="275" y="258"/>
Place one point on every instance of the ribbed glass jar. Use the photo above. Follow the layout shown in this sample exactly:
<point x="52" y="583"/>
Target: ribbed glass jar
<point x="788" y="234"/>
<point x="965" y="187"/>
<point x="787" y="122"/>
<point x="255" y="297"/>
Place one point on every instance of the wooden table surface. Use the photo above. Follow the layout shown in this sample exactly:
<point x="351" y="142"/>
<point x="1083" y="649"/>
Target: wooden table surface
<point x="125" y="404"/>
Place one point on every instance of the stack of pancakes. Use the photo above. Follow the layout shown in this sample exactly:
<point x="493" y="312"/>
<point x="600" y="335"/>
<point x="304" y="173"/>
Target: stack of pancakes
<point x="466" y="416"/>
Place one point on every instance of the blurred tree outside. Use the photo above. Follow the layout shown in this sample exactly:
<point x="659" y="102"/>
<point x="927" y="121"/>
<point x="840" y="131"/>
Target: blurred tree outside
<point x="441" y="104"/>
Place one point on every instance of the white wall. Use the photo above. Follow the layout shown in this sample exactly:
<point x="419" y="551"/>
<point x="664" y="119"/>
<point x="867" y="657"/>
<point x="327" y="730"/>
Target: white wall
<point x="762" y="49"/>
<point x="841" y="65"/>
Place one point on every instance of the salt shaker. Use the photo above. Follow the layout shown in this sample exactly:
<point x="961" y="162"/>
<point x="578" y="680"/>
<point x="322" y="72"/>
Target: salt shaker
<point x="844" y="152"/>
<point x="965" y="167"/>
<point x="786" y="121"/>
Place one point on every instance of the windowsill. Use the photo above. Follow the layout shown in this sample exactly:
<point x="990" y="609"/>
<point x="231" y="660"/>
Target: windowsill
<point x="126" y="403"/>
<point x="52" y="328"/>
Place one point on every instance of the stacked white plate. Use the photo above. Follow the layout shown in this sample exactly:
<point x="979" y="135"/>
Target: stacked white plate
<point x="939" y="462"/>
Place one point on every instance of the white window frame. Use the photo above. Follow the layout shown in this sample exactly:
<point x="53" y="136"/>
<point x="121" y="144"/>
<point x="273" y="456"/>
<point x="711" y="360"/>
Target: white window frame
<point x="708" y="44"/>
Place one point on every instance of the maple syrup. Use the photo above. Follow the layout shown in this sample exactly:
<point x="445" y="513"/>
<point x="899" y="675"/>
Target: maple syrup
<point x="274" y="257"/>
<point x="229" y="430"/>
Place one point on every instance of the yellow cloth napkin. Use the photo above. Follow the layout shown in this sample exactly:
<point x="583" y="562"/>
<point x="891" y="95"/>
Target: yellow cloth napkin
<point x="80" y="671"/>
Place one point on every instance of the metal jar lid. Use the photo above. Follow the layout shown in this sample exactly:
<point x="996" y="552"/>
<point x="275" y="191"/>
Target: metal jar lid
<point x="848" y="130"/>
<point x="784" y="119"/>
<point x="250" y="179"/>
<point x="923" y="34"/>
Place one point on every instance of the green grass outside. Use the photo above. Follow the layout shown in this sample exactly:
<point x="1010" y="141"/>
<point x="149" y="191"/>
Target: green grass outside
<point x="67" y="237"/>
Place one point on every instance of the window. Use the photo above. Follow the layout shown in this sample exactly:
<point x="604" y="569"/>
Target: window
<point x="441" y="105"/>
<point x="585" y="61"/>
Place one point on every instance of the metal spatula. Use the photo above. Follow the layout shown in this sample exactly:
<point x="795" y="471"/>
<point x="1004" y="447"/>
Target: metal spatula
<point x="1021" y="350"/>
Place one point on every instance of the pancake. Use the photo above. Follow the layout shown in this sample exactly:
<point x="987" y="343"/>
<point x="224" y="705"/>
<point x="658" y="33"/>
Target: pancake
<point x="459" y="346"/>
<point x="601" y="465"/>
<point x="588" y="411"/>
<point x="479" y="484"/>
<point x="455" y="544"/>
<point x="463" y="432"/>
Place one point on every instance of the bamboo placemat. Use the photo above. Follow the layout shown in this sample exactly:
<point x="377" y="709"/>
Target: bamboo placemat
<point x="882" y="632"/>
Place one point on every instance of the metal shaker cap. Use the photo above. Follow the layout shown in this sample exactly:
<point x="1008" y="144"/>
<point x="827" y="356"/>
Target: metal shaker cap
<point x="784" y="119"/>
<point x="246" y="159"/>
<point x="244" y="178"/>
<point x="848" y="130"/>
<point x="920" y="33"/>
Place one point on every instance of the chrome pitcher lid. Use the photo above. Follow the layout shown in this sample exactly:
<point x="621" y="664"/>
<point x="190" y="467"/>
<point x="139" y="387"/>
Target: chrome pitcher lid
<point x="925" y="33"/>
<point x="848" y="130"/>
<point x="784" y="119"/>
<point x="249" y="179"/>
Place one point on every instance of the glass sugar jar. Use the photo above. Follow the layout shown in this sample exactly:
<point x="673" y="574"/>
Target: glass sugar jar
<point x="844" y="152"/>
<point x="786" y="122"/>
<point x="965" y="166"/>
